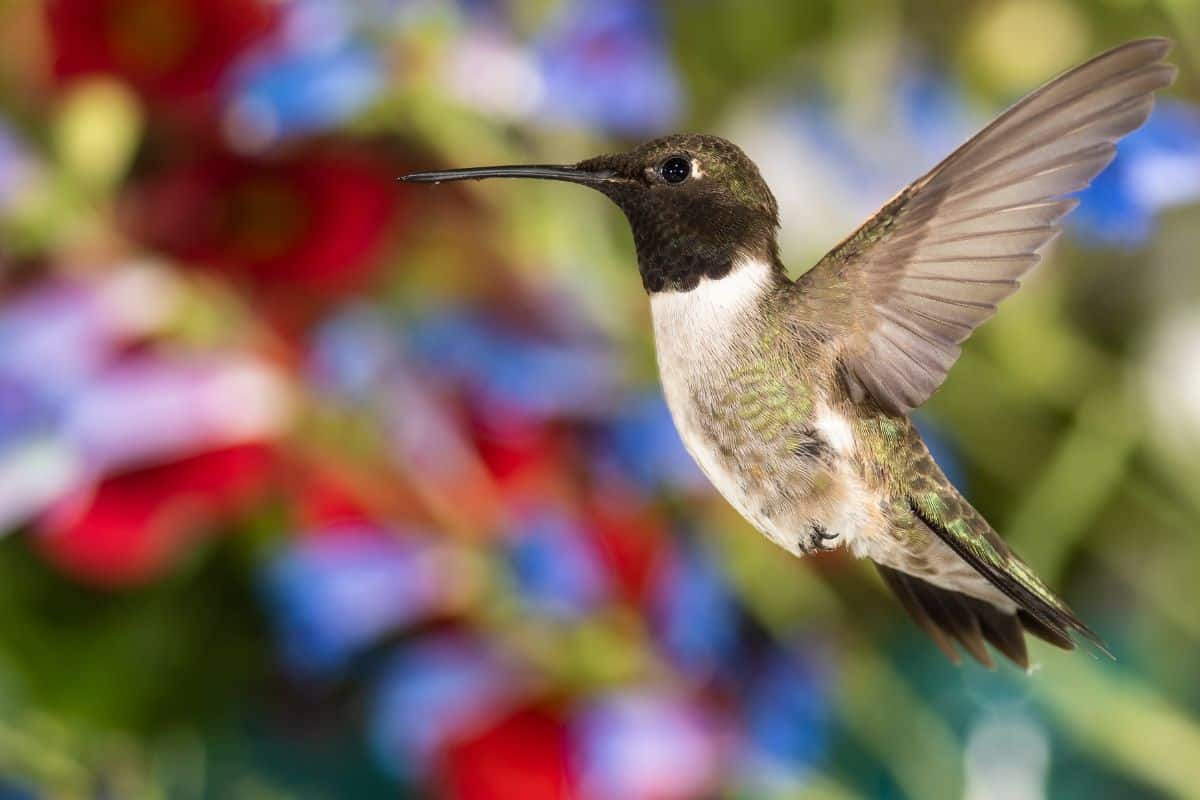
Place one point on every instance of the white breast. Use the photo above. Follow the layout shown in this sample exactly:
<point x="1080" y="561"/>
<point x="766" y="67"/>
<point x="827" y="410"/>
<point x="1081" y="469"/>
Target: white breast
<point x="696" y="325"/>
<point x="692" y="334"/>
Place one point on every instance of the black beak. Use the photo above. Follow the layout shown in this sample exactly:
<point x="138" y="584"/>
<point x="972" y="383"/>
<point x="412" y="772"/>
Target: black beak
<point x="542" y="171"/>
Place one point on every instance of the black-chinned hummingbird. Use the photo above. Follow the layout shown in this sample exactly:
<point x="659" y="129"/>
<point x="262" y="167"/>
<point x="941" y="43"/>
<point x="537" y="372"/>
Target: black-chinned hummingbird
<point x="793" y="396"/>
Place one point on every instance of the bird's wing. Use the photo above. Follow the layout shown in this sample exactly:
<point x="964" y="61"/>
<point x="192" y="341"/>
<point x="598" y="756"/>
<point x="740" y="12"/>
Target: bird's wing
<point x="914" y="281"/>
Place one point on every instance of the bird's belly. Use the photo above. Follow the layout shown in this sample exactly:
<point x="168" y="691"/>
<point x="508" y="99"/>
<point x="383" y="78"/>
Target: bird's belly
<point x="802" y="501"/>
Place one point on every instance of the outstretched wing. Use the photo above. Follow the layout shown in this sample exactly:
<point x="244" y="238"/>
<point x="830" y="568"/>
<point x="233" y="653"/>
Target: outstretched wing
<point x="932" y="264"/>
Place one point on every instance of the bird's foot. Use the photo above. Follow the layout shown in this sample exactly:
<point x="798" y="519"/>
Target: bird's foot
<point x="820" y="539"/>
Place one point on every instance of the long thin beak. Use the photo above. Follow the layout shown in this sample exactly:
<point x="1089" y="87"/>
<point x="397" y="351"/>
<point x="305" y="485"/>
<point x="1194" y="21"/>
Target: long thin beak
<point x="543" y="171"/>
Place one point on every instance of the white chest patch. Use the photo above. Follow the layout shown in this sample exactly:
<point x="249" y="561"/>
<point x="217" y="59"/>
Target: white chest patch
<point x="692" y="334"/>
<point x="697" y="322"/>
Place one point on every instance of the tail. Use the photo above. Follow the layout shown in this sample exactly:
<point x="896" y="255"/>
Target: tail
<point x="949" y="615"/>
<point x="1039" y="611"/>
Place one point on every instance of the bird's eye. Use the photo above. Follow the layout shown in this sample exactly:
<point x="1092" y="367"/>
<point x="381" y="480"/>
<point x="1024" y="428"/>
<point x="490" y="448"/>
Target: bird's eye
<point x="675" y="169"/>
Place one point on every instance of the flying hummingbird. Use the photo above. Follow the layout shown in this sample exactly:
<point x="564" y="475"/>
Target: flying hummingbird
<point x="793" y="396"/>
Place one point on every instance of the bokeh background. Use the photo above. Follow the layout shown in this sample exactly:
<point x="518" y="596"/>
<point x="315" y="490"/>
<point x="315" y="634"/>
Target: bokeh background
<point x="317" y="485"/>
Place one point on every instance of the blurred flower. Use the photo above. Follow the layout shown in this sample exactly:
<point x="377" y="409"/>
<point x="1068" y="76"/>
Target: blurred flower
<point x="312" y="74"/>
<point x="605" y="64"/>
<point x="18" y="169"/>
<point x="149" y="408"/>
<point x="632" y="540"/>
<point x="524" y="755"/>
<point x="359" y="358"/>
<point x="695" y="615"/>
<point x="1157" y="167"/>
<point x="354" y="353"/>
<point x="641" y="445"/>
<point x="76" y="407"/>
<point x="78" y="326"/>
<point x="510" y="372"/>
<point x="337" y="592"/>
<point x="491" y="71"/>
<point x="787" y="713"/>
<point x="135" y="525"/>
<point x="308" y="225"/>
<point x="436" y="691"/>
<point x="174" y="51"/>
<point x="597" y="64"/>
<point x="557" y="571"/>
<point x="643" y="746"/>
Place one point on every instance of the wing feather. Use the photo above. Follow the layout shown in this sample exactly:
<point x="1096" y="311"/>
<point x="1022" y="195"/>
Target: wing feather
<point x="934" y="263"/>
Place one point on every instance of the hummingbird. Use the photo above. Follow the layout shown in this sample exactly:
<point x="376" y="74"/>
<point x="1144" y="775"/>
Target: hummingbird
<point x="793" y="396"/>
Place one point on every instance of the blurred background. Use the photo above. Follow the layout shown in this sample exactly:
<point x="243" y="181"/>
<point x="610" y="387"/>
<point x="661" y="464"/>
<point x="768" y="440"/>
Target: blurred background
<point x="316" y="485"/>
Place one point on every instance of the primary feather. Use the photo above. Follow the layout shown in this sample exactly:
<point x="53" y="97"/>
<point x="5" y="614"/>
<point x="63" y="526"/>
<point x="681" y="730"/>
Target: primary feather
<point x="927" y="269"/>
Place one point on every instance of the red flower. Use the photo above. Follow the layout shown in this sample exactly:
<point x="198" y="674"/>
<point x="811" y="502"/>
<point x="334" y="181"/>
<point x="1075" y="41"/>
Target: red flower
<point x="167" y="49"/>
<point x="136" y="525"/>
<point x="524" y="755"/>
<point x="632" y="541"/>
<point x="309" y="223"/>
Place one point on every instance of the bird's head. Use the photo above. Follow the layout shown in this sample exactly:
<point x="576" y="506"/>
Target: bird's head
<point x="696" y="204"/>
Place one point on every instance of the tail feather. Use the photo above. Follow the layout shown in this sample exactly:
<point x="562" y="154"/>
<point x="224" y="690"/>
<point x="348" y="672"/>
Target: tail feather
<point x="949" y="616"/>
<point x="1041" y="612"/>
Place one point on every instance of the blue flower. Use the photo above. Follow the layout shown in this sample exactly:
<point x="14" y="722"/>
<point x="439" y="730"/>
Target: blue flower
<point x="314" y="75"/>
<point x="515" y="372"/>
<point x="557" y="571"/>
<point x="1157" y="167"/>
<point x="333" y="595"/>
<point x="696" y="617"/>
<point x="642" y="445"/>
<point x="353" y="353"/>
<point x="787" y="713"/>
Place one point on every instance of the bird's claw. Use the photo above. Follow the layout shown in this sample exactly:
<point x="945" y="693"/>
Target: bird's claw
<point x="820" y="539"/>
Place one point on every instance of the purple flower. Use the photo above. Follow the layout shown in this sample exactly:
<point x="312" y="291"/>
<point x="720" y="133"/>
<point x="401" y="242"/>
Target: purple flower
<point x="154" y="408"/>
<point x="74" y="408"/>
<point x="605" y="64"/>
<point x="643" y="746"/>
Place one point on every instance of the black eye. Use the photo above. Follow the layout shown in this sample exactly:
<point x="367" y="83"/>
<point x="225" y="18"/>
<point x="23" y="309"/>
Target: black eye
<point x="675" y="169"/>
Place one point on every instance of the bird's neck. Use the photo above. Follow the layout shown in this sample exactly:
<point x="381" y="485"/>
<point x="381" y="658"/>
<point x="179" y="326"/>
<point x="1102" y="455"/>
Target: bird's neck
<point x="676" y="254"/>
